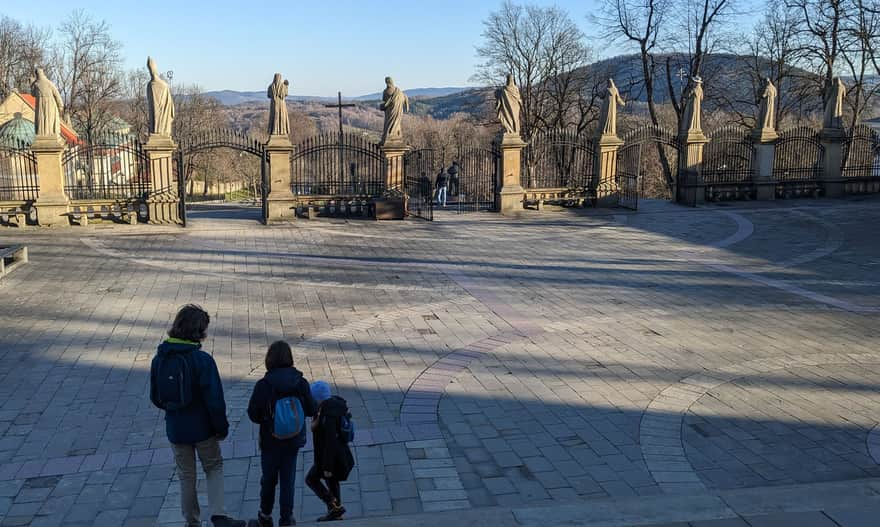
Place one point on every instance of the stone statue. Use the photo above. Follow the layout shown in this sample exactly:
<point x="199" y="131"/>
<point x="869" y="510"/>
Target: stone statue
<point x="834" y="108"/>
<point x="767" y="110"/>
<point x="279" y="122"/>
<point x="691" y="119"/>
<point x="394" y="104"/>
<point x="160" y="105"/>
<point x="508" y="104"/>
<point x="608" y="113"/>
<point x="47" y="112"/>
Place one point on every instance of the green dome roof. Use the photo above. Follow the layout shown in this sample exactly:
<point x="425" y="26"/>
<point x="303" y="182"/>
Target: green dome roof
<point x="17" y="131"/>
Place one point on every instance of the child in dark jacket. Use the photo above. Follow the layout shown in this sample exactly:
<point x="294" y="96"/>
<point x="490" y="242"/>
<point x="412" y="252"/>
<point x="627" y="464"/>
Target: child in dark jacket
<point x="333" y="459"/>
<point x="278" y="456"/>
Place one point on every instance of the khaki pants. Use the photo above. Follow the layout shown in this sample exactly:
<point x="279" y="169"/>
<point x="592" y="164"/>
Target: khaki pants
<point x="212" y="463"/>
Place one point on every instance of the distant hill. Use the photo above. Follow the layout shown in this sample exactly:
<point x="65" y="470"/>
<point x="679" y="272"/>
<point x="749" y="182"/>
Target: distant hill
<point x="233" y="98"/>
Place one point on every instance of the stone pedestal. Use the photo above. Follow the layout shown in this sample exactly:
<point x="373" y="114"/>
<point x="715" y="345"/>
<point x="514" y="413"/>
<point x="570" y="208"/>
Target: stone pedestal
<point x="762" y="164"/>
<point x="690" y="187"/>
<point x="281" y="201"/>
<point x="163" y="202"/>
<point x="52" y="204"/>
<point x="394" y="202"/>
<point x="511" y="193"/>
<point x="832" y="177"/>
<point x="605" y="170"/>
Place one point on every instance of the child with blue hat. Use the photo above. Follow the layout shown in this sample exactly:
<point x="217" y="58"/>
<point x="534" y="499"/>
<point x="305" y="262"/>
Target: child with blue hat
<point x="332" y="431"/>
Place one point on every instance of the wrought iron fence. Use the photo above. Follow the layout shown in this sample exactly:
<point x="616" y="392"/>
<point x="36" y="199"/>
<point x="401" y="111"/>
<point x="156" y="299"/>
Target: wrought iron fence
<point x="727" y="164"/>
<point x="797" y="164"/>
<point x="474" y="187"/>
<point x="112" y="166"/>
<point x="419" y="169"/>
<point x="335" y="164"/>
<point x="18" y="172"/>
<point x="650" y="154"/>
<point x="861" y="154"/>
<point x="558" y="158"/>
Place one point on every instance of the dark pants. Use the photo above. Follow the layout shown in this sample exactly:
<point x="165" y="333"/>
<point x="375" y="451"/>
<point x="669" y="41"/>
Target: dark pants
<point x="313" y="480"/>
<point x="279" y="462"/>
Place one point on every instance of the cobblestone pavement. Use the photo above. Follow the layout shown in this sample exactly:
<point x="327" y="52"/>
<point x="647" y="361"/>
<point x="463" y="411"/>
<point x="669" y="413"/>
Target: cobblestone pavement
<point x="488" y="361"/>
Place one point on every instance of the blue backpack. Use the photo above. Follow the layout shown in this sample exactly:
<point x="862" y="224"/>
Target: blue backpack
<point x="172" y="383"/>
<point x="288" y="420"/>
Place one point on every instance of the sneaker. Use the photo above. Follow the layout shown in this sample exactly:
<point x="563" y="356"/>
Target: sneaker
<point x="263" y="520"/>
<point x="226" y="521"/>
<point x="334" y="512"/>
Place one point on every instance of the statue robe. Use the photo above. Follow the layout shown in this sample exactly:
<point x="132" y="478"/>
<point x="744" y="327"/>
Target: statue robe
<point x="834" y="108"/>
<point x="47" y="112"/>
<point x="279" y="121"/>
<point x="508" y="105"/>
<point x="692" y="118"/>
<point x="394" y="103"/>
<point x="161" y="107"/>
<point x="767" y="110"/>
<point x="608" y="112"/>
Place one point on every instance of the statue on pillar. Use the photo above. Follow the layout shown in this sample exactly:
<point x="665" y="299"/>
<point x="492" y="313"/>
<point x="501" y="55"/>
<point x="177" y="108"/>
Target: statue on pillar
<point x="160" y="105"/>
<point x="834" y="107"/>
<point x="691" y="119"/>
<point x="767" y="109"/>
<point x="608" y="113"/>
<point x="508" y="104"/>
<point x="279" y="122"/>
<point x="394" y="104"/>
<point x="48" y="108"/>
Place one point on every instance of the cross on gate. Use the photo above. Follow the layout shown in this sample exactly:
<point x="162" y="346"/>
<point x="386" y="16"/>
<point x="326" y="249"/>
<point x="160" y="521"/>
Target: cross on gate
<point x="681" y="74"/>
<point x="340" y="106"/>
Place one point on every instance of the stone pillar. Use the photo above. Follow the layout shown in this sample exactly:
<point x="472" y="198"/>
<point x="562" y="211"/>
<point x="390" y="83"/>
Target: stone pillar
<point x="52" y="203"/>
<point x="605" y="169"/>
<point x="690" y="187"/>
<point x="762" y="163"/>
<point x="511" y="193"/>
<point x="281" y="201"/>
<point x="163" y="203"/>
<point x="832" y="177"/>
<point x="392" y="206"/>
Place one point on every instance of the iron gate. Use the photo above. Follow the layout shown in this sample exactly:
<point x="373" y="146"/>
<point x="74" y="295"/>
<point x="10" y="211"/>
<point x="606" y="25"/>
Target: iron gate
<point x="647" y="164"/>
<point x="797" y="164"/>
<point x="110" y="167"/>
<point x="727" y="164"/>
<point x="214" y="139"/>
<point x="474" y="187"/>
<point x="19" y="181"/>
<point x="419" y="167"/>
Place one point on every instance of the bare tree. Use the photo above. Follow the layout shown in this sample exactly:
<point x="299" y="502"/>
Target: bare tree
<point x="87" y="63"/>
<point x="861" y="37"/>
<point x="195" y="114"/>
<point x="21" y="48"/>
<point x="638" y="22"/>
<point x="546" y="53"/>
<point x="133" y="107"/>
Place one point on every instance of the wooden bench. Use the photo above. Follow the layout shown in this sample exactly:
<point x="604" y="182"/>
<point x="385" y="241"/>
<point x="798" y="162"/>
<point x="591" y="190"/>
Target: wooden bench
<point x="122" y="212"/>
<point x="563" y="197"/>
<point x="11" y="257"/>
<point x="17" y="216"/>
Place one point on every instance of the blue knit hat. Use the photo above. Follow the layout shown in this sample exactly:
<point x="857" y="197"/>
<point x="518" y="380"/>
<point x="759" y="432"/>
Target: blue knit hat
<point x="320" y="391"/>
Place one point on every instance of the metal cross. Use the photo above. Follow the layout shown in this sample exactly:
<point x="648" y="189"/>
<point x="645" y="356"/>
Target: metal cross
<point x="340" y="106"/>
<point x="681" y="74"/>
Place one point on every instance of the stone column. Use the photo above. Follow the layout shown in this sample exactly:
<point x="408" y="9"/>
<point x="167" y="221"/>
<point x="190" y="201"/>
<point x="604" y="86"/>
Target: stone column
<point x="281" y="200"/>
<point x="392" y="206"/>
<point x="832" y="170"/>
<point x="605" y="169"/>
<point x="511" y="193"/>
<point x="762" y="163"/>
<point x="52" y="203"/>
<point x="163" y="203"/>
<point x="690" y="187"/>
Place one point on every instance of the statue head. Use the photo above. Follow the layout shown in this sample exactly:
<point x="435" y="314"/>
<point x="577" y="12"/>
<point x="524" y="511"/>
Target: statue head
<point x="389" y="81"/>
<point x="151" y="65"/>
<point x="38" y="73"/>
<point x="277" y="78"/>
<point x="510" y="79"/>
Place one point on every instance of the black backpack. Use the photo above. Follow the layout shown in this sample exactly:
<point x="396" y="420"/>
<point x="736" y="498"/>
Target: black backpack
<point x="173" y="383"/>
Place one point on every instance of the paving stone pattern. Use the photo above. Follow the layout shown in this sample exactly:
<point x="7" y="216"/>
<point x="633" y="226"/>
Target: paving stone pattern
<point x="488" y="361"/>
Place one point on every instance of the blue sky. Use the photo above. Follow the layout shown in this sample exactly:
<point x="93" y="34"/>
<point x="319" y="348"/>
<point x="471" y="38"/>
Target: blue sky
<point x="321" y="46"/>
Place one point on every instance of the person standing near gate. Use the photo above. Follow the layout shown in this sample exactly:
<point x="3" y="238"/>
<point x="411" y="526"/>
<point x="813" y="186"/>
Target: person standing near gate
<point x="425" y="191"/>
<point x="454" y="182"/>
<point x="441" y="184"/>
<point x="185" y="383"/>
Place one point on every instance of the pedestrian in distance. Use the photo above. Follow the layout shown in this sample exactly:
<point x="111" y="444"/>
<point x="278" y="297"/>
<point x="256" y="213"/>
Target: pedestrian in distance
<point x="280" y="403"/>
<point x="332" y="433"/>
<point x="185" y="383"/>
<point x="441" y="183"/>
